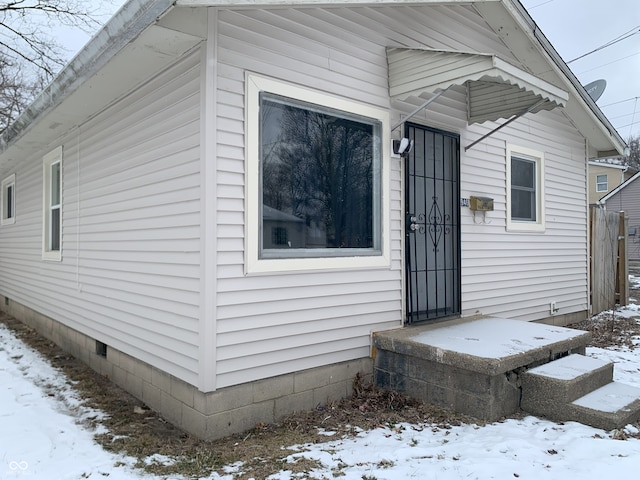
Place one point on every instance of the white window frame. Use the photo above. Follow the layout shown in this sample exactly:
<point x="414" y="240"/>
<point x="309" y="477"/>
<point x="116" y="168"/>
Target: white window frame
<point x="605" y="183"/>
<point x="50" y="160"/>
<point x="8" y="190"/>
<point x="538" y="157"/>
<point x="253" y="264"/>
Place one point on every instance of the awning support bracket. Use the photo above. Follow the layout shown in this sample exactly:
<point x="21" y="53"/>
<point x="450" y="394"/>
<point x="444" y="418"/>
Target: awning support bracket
<point x="416" y="110"/>
<point x="515" y="117"/>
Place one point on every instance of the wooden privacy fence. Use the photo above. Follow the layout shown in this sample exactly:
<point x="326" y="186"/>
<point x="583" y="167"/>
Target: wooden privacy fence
<point x="609" y="263"/>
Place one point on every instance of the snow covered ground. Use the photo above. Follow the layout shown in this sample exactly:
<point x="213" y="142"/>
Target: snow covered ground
<point x="42" y="437"/>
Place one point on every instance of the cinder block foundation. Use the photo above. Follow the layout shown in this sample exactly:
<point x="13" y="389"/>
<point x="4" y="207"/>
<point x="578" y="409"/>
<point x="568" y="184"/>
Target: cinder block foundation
<point x="207" y="415"/>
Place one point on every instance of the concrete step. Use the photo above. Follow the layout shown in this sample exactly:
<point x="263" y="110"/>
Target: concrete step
<point x="563" y="381"/>
<point x="581" y="389"/>
<point x="612" y="406"/>
<point x="469" y="365"/>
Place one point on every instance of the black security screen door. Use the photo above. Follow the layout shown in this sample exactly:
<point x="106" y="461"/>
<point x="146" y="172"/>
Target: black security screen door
<point x="432" y="224"/>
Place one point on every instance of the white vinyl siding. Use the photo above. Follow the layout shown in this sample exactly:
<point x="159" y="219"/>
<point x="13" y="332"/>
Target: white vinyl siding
<point x="130" y="273"/>
<point x="270" y="324"/>
<point x="517" y="274"/>
<point x="132" y="233"/>
<point x="626" y="199"/>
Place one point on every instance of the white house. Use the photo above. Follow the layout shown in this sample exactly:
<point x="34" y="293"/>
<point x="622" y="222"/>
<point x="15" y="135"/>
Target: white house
<point x="137" y="189"/>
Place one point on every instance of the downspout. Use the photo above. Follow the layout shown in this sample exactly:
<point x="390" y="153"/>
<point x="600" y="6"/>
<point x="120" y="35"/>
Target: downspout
<point x="589" y="259"/>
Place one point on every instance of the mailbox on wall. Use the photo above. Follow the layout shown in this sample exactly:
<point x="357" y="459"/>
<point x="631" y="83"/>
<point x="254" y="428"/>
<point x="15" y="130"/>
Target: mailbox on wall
<point x="481" y="204"/>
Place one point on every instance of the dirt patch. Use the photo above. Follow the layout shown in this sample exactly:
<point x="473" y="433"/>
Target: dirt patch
<point x="611" y="330"/>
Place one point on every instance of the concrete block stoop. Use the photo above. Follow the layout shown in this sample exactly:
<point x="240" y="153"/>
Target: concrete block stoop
<point x="490" y="368"/>
<point x="581" y="389"/>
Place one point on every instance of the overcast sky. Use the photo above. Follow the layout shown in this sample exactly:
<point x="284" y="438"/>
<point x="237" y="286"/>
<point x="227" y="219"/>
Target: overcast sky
<point x="574" y="27"/>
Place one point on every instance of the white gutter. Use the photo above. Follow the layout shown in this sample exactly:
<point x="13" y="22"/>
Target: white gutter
<point x="134" y="17"/>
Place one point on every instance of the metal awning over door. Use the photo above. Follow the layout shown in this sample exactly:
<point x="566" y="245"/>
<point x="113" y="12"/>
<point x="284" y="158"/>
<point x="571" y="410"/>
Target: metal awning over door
<point x="495" y="88"/>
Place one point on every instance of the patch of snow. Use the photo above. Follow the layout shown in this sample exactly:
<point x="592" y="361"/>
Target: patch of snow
<point x="494" y="337"/>
<point x="610" y="398"/>
<point x="40" y="414"/>
<point x="157" y="459"/>
<point x="631" y="429"/>
<point x="569" y="367"/>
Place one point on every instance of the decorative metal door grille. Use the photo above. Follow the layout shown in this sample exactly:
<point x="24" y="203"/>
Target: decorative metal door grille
<point x="432" y="199"/>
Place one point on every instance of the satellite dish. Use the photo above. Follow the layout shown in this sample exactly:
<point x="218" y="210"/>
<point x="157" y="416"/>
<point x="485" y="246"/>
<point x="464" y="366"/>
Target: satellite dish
<point x="596" y="89"/>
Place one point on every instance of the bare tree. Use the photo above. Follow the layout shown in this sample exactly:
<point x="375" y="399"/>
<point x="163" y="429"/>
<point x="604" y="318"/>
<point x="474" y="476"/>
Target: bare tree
<point x="633" y="159"/>
<point x="29" y="54"/>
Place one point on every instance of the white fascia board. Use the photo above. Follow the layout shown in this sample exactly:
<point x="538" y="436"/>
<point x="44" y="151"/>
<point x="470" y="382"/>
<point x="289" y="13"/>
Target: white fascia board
<point x="315" y="3"/>
<point x="126" y="25"/>
<point x="520" y="33"/>
<point x="607" y="165"/>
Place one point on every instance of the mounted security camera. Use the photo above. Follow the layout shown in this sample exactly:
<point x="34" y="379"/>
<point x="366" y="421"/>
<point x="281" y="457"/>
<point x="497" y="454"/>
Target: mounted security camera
<point x="402" y="147"/>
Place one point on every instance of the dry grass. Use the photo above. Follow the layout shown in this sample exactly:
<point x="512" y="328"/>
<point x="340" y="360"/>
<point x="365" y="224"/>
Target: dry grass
<point x="611" y="330"/>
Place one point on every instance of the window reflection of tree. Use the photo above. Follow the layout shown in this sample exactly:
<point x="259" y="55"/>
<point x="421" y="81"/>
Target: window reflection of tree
<point x="319" y="167"/>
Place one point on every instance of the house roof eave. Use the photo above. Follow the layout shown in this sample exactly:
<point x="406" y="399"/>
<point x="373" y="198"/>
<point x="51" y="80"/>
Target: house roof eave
<point x="510" y="22"/>
<point x="119" y="33"/>
<point x="606" y="197"/>
<point x="595" y="163"/>
<point x="90" y="68"/>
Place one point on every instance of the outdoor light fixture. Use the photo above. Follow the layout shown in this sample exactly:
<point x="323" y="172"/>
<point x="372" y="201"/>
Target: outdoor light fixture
<point x="402" y="147"/>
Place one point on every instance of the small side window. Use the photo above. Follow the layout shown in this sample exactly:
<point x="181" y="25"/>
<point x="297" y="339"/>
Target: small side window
<point x="602" y="183"/>
<point x="8" y="200"/>
<point x="52" y="208"/>
<point x="525" y="190"/>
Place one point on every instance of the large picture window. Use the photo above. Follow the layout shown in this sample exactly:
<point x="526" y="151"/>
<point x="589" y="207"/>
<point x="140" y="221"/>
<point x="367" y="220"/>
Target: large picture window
<point x="316" y="182"/>
<point x="525" y="193"/>
<point x="320" y="169"/>
<point x="52" y="208"/>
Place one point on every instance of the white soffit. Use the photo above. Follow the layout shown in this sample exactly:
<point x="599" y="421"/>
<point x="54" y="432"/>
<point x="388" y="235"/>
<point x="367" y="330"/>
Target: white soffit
<point x="496" y="89"/>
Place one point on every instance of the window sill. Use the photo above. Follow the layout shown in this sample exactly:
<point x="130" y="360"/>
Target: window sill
<point x="286" y="265"/>
<point x="52" y="256"/>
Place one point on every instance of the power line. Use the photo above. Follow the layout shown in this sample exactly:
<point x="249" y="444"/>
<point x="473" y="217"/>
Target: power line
<point x="620" y="101"/>
<point x="609" y="63"/>
<point x="624" y="36"/>
<point x="540" y="4"/>
<point x="628" y="125"/>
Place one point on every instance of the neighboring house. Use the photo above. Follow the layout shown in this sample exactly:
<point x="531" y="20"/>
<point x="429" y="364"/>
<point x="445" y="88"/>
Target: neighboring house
<point x="138" y="188"/>
<point x="604" y="177"/>
<point x="626" y="198"/>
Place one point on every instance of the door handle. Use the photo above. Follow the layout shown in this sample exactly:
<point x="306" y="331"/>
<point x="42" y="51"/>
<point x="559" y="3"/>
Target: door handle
<point x="415" y="223"/>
